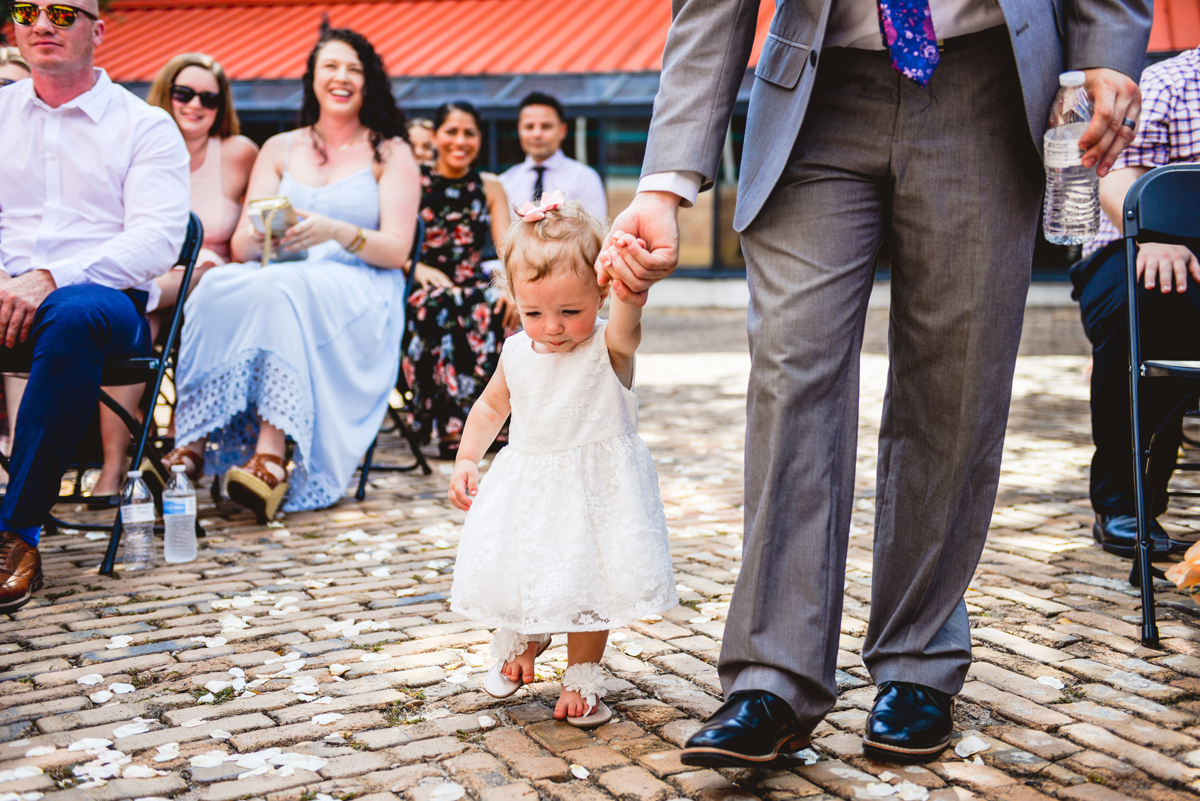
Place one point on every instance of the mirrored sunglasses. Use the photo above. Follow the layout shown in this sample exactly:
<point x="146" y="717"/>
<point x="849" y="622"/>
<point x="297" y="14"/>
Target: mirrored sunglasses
<point x="60" y="15"/>
<point x="184" y="95"/>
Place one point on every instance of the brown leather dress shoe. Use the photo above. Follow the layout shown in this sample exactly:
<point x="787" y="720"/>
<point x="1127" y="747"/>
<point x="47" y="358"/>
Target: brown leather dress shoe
<point x="20" y="572"/>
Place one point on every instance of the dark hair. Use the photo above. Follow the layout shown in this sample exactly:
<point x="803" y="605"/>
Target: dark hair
<point x="543" y="99"/>
<point x="379" y="112"/>
<point x="443" y="111"/>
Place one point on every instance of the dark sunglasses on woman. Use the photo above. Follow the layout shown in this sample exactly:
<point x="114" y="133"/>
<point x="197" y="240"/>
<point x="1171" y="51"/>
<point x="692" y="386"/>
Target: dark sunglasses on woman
<point x="60" y="15"/>
<point x="184" y="95"/>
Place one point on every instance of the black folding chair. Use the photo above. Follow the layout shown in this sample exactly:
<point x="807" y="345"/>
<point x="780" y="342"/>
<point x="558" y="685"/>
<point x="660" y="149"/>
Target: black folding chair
<point x="149" y="370"/>
<point x="1162" y="206"/>
<point x="397" y="413"/>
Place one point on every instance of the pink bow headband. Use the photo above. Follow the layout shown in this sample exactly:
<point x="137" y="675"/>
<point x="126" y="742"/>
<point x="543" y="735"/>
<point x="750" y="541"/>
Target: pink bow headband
<point x="532" y="213"/>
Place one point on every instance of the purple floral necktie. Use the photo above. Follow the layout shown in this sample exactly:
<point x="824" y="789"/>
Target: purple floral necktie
<point x="907" y="30"/>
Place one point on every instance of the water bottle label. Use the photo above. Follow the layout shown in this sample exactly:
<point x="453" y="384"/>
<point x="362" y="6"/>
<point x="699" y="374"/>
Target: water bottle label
<point x="137" y="513"/>
<point x="179" y="506"/>
<point x="1060" y="153"/>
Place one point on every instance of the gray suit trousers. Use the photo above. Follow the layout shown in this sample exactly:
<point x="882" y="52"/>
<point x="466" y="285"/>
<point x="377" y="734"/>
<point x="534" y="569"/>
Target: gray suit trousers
<point x="950" y="172"/>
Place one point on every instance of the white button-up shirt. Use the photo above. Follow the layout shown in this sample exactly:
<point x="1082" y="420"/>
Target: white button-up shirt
<point x="577" y="181"/>
<point x="94" y="191"/>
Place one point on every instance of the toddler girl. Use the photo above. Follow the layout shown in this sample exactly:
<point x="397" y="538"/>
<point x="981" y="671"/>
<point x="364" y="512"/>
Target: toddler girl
<point x="567" y="532"/>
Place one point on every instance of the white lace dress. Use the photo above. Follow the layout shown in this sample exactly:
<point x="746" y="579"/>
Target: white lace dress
<point x="567" y="532"/>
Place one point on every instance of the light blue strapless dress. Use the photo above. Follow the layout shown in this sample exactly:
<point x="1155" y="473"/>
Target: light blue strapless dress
<point x="312" y="346"/>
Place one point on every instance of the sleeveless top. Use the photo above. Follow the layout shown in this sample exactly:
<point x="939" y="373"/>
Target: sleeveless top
<point x="218" y="213"/>
<point x="456" y="218"/>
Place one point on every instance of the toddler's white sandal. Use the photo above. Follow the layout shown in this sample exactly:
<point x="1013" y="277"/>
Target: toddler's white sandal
<point x="587" y="679"/>
<point x="507" y="646"/>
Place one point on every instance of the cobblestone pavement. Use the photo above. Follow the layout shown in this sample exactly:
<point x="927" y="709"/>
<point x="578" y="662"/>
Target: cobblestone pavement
<point x="316" y="658"/>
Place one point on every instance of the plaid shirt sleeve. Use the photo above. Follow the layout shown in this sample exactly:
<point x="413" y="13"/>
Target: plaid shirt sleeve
<point x="1151" y="147"/>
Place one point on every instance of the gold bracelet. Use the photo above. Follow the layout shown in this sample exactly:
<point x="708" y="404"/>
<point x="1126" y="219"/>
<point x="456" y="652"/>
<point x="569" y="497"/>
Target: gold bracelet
<point x="360" y="241"/>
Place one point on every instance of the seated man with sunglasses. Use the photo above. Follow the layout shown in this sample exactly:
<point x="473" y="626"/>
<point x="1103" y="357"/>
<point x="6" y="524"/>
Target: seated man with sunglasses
<point x="93" y="206"/>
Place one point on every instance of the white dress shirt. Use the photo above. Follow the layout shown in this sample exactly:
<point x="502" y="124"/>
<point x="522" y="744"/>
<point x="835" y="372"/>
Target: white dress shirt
<point x="855" y="23"/>
<point x="577" y="181"/>
<point x="94" y="191"/>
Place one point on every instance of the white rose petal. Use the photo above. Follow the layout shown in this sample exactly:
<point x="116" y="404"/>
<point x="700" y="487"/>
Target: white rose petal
<point x="207" y="698"/>
<point x="1051" y="682"/>
<point x="217" y="734"/>
<point x="41" y="750"/>
<point x="130" y="729"/>
<point x="221" y="603"/>
<point x="970" y="745"/>
<point x="887" y="776"/>
<point x="89" y="744"/>
<point x="90" y="679"/>
<point x="259" y="771"/>
<point x="977" y="760"/>
<point x="907" y="791"/>
<point x="120" y="688"/>
<point x="193" y="723"/>
<point x="325" y="699"/>
<point x="326" y="718"/>
<point x="120" y="641"/>
<point x="209" y="760"/>
<point x="701" y="619"/>
<point x="580" y="772"/>
<point x="879" y="790"/>
<point x="381" y="572"/>
<point x="217" y="686"/>
<point x="138" y="772"/>
<point x="167" y="752"/>
<point x="447" y="792"/>
<point x="375" y="656"/>
<point x="650" y="618"/>
<point x="486" y="722"/>
<point x="101" y="697"/>
<point x="337" y="669"/>
<point x="808" y="756"/>
<point x="633" y="650"/>
<point x="237" y="672"/>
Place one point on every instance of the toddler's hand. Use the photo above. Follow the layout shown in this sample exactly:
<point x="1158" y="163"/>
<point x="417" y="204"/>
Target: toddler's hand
<point x="617" y="255"/>
<point x="464" y="484"/>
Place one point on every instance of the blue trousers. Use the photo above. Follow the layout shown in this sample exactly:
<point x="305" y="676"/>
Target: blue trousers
<point x="77" y="329"/>
<point x="1168" y="331"/>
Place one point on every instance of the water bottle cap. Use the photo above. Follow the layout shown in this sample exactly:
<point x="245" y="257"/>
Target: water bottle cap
<point x="178" y="468"/>
<point x="134" y="474"/>
<point x="1074" y="78"/>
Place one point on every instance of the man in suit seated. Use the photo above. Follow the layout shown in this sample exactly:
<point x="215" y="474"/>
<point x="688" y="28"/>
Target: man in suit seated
<point x="1168" y="133"/>
<point x="93" y="205"/>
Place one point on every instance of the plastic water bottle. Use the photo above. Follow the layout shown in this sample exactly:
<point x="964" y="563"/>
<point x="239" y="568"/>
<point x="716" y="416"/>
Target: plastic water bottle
<point x="1072" y="211"/>
<point x="137" y="522"/>
<point x="179" y="517"/>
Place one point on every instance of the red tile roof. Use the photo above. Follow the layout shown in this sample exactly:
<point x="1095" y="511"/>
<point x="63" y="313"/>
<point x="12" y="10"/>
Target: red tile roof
<point x="1176" y="25"/>
<point x="270" y="39"/>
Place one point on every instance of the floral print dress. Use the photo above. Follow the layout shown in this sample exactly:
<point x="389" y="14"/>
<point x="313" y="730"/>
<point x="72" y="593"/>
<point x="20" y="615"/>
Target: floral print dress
<point x="453" y="339"/>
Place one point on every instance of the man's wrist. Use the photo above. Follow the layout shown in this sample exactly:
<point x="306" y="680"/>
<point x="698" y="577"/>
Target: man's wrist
<point x="662" y="196"/>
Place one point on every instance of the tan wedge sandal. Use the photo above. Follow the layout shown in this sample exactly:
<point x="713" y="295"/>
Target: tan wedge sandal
<point x="255" y="487"/>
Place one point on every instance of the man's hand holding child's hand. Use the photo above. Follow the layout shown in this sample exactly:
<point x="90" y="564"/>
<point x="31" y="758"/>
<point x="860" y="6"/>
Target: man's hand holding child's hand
<point x="464" y="484"/>
<point x="623" y="251"/>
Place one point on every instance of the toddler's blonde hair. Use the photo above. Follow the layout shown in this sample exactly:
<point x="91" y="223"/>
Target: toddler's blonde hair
<point x="566" y="238"/>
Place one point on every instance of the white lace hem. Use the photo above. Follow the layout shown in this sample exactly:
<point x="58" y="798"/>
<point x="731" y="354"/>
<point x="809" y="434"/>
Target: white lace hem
<point x="223" y="407"/>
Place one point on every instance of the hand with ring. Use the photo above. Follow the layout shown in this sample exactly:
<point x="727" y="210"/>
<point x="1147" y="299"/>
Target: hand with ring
<point x="312" y="230"/>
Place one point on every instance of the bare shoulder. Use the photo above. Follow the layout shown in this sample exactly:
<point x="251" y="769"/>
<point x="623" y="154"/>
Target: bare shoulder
<point x="239" y="149"/>
<point x="396" y="151"/>
<point x="493" y="188"/>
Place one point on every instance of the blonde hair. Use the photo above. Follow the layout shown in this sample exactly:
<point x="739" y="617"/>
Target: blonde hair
<point x="11" y="55"/>
<point x="226" y="124"/>
<point x="566" y="238"/>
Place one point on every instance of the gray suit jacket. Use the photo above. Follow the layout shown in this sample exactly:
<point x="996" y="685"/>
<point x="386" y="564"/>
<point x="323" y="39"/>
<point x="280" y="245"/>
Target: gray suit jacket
<point x="708" y="49"/>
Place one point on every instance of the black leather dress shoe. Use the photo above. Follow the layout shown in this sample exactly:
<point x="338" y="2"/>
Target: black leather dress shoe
<point x="909" y="723"/>
<point x="1117" y="534"/>
<point x="752" y="728"/>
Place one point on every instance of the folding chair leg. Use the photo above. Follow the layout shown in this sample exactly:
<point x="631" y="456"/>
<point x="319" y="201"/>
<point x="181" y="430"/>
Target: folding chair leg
<point x="366" y="471"/>
<point x="108" y="566"/>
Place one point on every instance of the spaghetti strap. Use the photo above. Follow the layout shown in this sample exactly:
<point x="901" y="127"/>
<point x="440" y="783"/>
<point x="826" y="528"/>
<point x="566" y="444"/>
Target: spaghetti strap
<point x="287" y="149"/>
